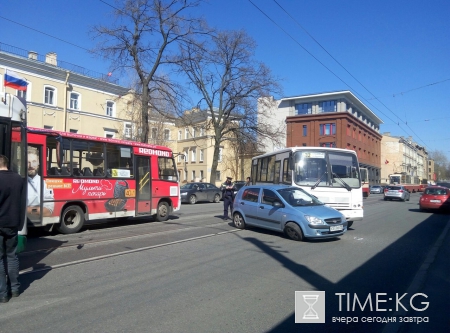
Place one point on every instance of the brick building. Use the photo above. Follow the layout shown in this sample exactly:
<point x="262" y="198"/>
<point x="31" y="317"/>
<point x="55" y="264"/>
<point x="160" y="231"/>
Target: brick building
<point x="337" y="119"/>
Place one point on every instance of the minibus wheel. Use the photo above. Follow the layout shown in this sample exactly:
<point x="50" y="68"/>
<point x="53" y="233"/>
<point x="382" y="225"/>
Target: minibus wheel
<point x="72" y="220"/>
<point x="163" y="212"/>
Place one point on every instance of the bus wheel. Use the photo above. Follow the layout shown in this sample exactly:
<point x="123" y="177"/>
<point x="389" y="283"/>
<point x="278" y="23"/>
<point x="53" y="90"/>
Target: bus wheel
<point x="163" y="212"/>
<point x="293" y="231"/>
<point x="72" y="220"/>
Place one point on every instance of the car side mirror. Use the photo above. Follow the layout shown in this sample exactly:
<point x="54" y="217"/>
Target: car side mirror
<point x="277" y="204"/>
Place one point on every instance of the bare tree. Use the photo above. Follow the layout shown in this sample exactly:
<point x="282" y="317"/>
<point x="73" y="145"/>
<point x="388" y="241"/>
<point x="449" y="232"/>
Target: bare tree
<point x="222" y="70"/>
<point x="441" y="165"/>
<point x="144" y="39"/>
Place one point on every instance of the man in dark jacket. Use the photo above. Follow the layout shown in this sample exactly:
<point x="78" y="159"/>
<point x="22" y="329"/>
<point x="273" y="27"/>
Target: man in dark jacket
<point x="228" y="197"/>
<point x="11" y="221"/>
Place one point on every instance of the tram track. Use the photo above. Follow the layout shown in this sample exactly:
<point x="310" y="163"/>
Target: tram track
<point x="111" y="255"/>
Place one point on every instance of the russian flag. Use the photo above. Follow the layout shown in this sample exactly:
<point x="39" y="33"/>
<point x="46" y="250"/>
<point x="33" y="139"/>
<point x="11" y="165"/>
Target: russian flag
<point x="12" y="80"/>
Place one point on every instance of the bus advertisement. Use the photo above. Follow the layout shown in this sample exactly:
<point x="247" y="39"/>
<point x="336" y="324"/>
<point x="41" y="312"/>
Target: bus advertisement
<point x="13" y="113"/>
<point x="330" y="174"/>
<point x="73" y="178"/>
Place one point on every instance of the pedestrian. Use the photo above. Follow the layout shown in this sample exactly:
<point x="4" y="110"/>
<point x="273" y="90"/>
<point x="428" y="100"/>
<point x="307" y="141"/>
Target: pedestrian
<point x="228" y="197"/>
<point x="248" y="182"/>
<point x="12" y="218"/>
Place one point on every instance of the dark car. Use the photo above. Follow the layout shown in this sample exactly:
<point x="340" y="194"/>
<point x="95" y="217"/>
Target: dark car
<point x="194" y="192"/>
<point x="238" y="185"/>
<point x="443" y="184"/>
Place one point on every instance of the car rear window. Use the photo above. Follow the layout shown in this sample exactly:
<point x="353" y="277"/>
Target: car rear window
<point x="435" y="191"/>
<point x="394" y="188"/>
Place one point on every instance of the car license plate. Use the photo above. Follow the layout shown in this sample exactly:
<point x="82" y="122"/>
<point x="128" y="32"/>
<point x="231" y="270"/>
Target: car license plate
<point x="435" y="200"/>
<point x="336" y="228"/>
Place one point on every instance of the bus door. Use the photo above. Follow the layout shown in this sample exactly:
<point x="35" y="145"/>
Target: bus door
<point x="143" y="183"/>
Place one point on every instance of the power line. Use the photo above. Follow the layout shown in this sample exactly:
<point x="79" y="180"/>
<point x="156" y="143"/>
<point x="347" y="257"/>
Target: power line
<point x="398" y="124"/>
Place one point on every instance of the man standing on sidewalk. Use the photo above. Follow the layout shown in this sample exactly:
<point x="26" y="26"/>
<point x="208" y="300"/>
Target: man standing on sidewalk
<point x="228" y="197"/>
<point x="11" y="221"/>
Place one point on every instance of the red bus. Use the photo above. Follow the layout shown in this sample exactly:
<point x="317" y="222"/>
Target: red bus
<point x="87" y="178"/>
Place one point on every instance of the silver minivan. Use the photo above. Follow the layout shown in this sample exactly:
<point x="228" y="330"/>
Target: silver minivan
<point x="287" y="209"/>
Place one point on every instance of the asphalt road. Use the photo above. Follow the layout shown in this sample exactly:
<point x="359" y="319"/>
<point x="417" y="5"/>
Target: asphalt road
<point x="197" y="273"/>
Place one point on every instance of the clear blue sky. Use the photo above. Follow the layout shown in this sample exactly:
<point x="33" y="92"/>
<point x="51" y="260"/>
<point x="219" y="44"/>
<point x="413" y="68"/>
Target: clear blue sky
<point x="399" y="50"/>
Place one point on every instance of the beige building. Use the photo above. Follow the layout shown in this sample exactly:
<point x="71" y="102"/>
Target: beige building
<point x="195" y="145"/>
<point x="401" y="155"/>
<point x="430" y="171"/>
<point x="65" y="97"/>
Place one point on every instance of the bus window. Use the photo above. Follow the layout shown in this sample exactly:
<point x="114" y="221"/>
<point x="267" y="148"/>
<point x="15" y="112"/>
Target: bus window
<point x="88" y="159"/>
<point x="286" y="172"/>
<point x="119" y="161"/>
<point x="166" y="169"/>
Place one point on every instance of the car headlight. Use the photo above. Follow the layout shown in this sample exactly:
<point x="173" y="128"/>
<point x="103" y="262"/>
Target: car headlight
<point x="184" y="193"/>
<point x="313" y="219"/>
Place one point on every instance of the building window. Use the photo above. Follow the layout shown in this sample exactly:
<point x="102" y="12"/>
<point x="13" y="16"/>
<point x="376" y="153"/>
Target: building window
<point x="193" y="155"/>
<point x="327" y="106"/>
<point x="48" y="127"/>
<point x="220" y="154"/>
<point x="49" y="95"/>
<point x="73" y="130"/>
<point x="202" y="131"/>
<point x="127" y="130"/>
<point x="202" y="151"/>
<point x="109" y="135"/>
<point x="218" y="175"/>
<point x="154" y="133"/>
<point x="328" y="144"/>
<point x="186" y="156"/>
<point x="166" y="134"/>
<point x="304" y="108"/>
<point x="22" y="94"/>
<point x="180" y="135"/>
<point x="305" y="130"/>
<point x="186" y="133"/>
<point x="185" y="175"/>
<point x="327" y="129"/>
<point x="193" y="132"/>
<point x="193" y="175"/>
<point x="74" y="101"/>
<point x="304" y="144"/>
<point x="110" y="108"/>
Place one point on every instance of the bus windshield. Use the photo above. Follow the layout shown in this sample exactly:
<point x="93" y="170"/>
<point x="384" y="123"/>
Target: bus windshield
<point x="326" y="169"/>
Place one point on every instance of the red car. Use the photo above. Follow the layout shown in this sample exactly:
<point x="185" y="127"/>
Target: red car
<point x="435" y="197"/>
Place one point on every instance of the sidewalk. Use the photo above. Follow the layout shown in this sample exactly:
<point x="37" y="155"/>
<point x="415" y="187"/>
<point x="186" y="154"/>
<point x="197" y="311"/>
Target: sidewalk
<point x="433" y="280"/>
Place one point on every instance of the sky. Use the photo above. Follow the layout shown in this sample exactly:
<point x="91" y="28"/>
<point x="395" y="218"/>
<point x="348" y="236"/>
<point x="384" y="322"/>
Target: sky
<point x="393" y="55"/>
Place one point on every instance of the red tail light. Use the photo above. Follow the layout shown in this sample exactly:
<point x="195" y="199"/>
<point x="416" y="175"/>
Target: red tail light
<point x="401" y="191"/>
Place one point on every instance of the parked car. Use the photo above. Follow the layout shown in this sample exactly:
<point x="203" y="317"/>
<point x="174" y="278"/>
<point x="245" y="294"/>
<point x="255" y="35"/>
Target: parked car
<point x="376" y="189"/>
<point x="435" y="197"/>
<point x="195" y="192"/>
<point x="287" y="209"/>
<point x="238" y="185"/>
<point x="396" y="192"/>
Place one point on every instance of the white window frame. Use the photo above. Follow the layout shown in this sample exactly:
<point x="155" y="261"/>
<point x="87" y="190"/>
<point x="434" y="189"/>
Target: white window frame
<point x="180" y="135"/>
<point x="154" y="133"/>
<point x="26" y="92"/>
<point x="127" y="130"/>
<point x="201" y="175"/>
<point x="202" y="131"/>
<point x="167" y="134"/>
<point x="186" y="133"/>
<point x="78" y="100"/>
<point x="193" y="175"/>
<point x="113" y="108"/>
<point x="194" y="154"/>
<point x="202" y="151"/>
<point x="219" y="174"/>
<point x="54" y="97"/>
<point x="110" y="134"/>
<point x="185" y="175"/>
<point x="193" y="132"/>
<point x="186" y="156"/>
<point x="220" y="154"/>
